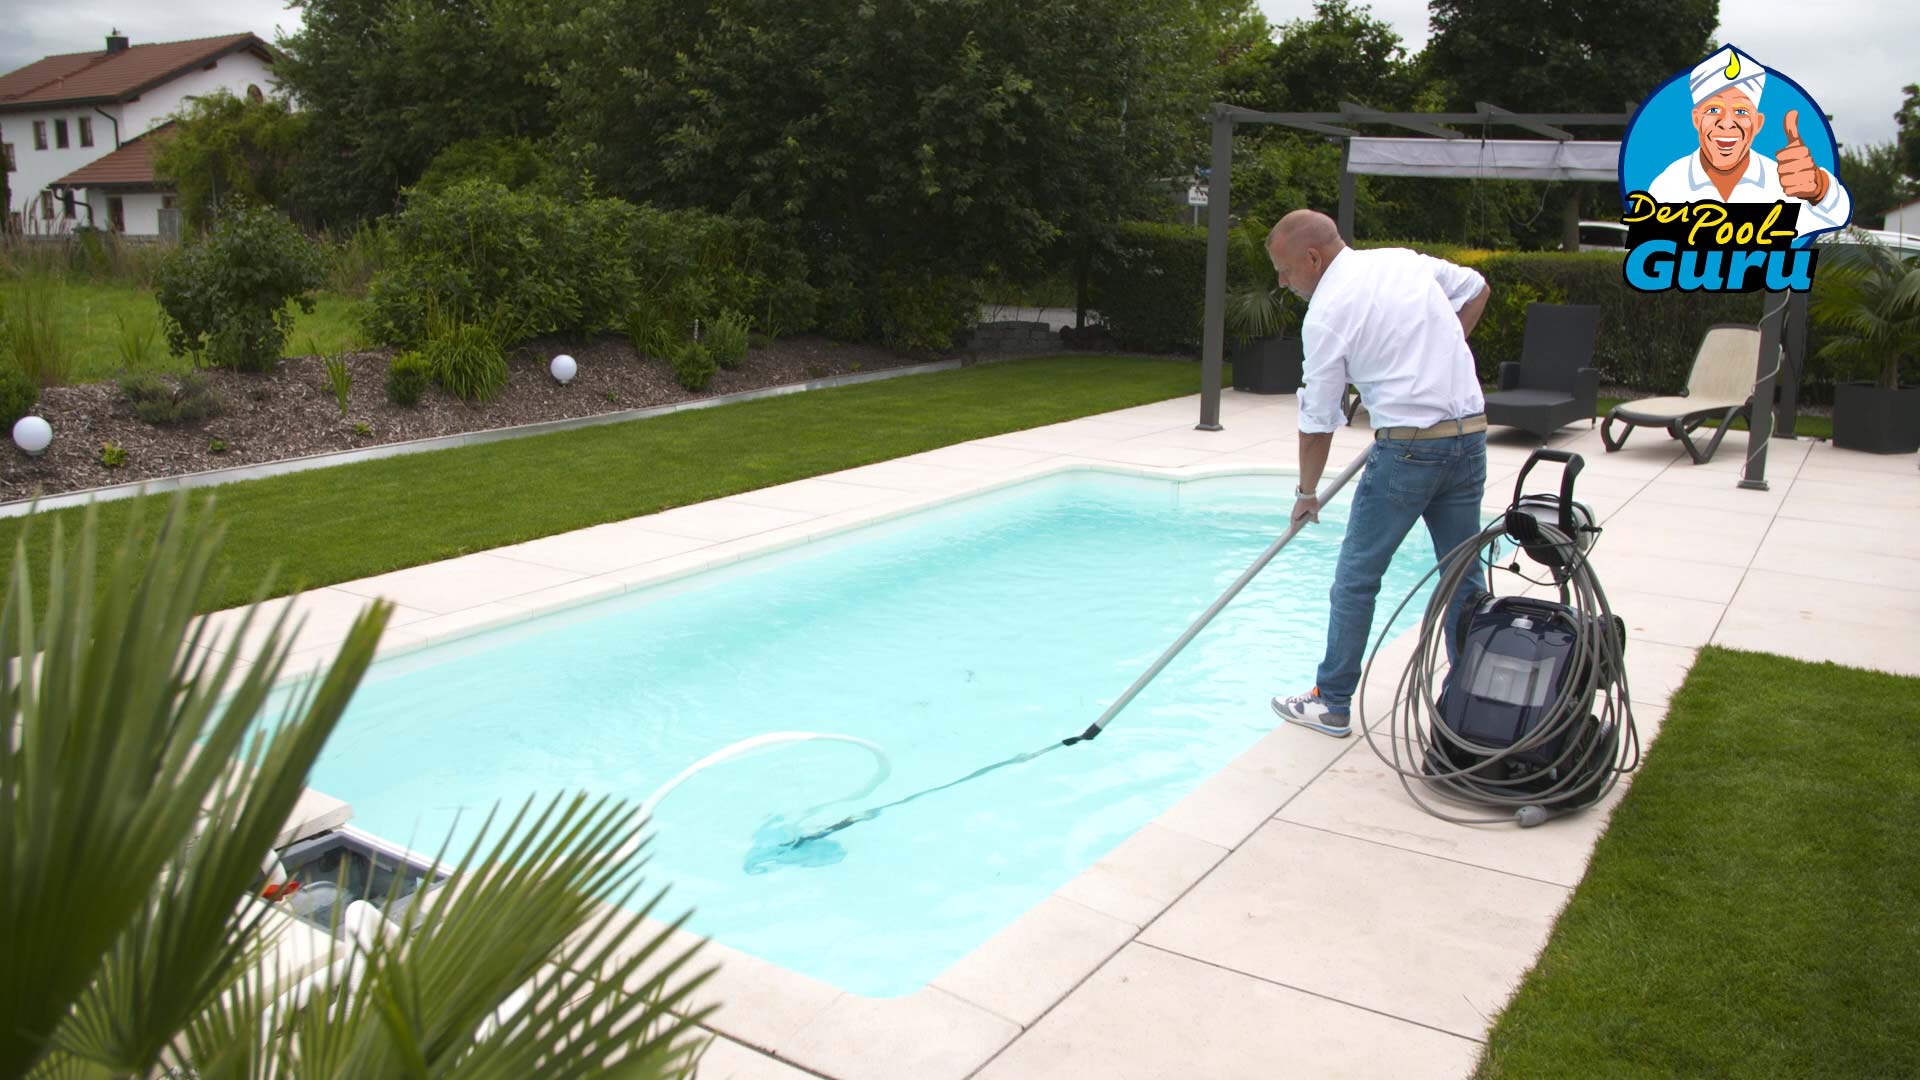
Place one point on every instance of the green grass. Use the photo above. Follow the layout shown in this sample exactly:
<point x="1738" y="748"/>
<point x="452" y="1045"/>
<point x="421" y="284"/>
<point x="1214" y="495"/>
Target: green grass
<point x="1812" y="427"/>
<point x="351" y="521"/>
<point x="90" y="315"/>
<point x="1754" y="907"/>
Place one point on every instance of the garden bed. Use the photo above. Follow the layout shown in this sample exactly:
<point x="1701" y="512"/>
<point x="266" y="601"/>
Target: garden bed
<point x="292" y="412"/>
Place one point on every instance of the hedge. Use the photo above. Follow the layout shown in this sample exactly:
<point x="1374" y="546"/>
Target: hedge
<point x="1152" y="292"/>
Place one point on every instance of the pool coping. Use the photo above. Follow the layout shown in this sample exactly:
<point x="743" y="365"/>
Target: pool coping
<point x="985" y="1000"/>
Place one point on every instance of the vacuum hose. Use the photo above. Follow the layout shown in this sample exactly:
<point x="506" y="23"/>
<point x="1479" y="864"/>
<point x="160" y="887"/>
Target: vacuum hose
<point x="1597" y="746"/>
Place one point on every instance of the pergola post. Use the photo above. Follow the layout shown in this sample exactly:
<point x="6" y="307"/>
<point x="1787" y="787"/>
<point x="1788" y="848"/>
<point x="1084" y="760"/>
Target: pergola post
<point x="1772" y="324"/>
<point x="1213" y="331"/>
<point x="1786" y="412"/>
<point x="1346" y="191"/>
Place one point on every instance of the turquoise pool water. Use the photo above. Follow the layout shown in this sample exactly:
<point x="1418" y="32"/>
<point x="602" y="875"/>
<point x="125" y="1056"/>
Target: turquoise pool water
<point x="952" y="639"/>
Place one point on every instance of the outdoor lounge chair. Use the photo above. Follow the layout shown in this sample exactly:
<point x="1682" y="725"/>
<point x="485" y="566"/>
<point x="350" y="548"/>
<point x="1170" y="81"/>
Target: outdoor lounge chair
<point x="1720" y="387"/>
<point x="1552" y="384"/>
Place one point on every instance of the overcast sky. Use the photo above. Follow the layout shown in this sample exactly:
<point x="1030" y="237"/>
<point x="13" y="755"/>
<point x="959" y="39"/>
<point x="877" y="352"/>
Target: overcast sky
<point x="1853" y="59"/>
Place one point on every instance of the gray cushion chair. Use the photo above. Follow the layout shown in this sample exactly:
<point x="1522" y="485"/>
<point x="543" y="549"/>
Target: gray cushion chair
<point x="1552" y="384"/>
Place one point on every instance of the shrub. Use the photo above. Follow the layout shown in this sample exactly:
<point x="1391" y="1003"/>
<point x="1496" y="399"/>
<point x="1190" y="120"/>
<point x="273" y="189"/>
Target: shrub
<point x="229" y="295"/>
<point x="727" y="339"/>
<point x="112" y="455"/>
<point x="921" y="310"/>
<point x="158" y="402"/>
<point x="18" y="394"/>
<point x="339" y="379"/>
<point x="467" y="358"/>
<point x="693" y="365"/>
<point x="135" y="342"/>
<point x="407" y="378"/>
<point x="30" y="329"/>
<point x="654" y="330"/>
<point x="1150" y="287"/>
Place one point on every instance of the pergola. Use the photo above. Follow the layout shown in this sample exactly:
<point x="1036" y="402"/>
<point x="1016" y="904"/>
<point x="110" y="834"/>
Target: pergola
<point x="1439" y="150"/>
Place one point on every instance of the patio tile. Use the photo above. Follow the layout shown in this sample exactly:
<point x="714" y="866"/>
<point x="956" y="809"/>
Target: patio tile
<point x="1289" y="756"/>
<point x="1668" y="620"/>
<point x="313" y="813"/>
<point x="901" y="476"/>
<point x="1148" y="871"/>
<point x="1662" y="576"/>
<point x="1655" y="671"/>
<point x="1823" y="620"/>
<point x="448" y="586"/>
<point x="725" y="1059"/>
<point x="1405" y="934"/>
<point x="1135" y="452"/>
<point x="1839" y="562"/>
<point x="1855" y="473"/>
<point x="1227" y="806"/>
<point x="1868" y="510"/>
<point x="297" y="950"/>
<point x="1888" y="491"/>
<point x="720" y="520"/>
<point x="1152" y="1015"/>
<point x="1828" y="456"/>
<point x="815" y="496"/>
<point x="976" y="458"/>
<point x="1845" y="540"/>
<point x="1722" y="497"/>
<point x="306" y="663"/>
<point x="1239" y="436"/>
<point x="323" y="616"/>
<point x="1362" y="797"/>
<point x="1036" y="960"/>
<point x="1694" y="535"/>
<point x="601" y="548"/>
<point x="927" y="1035"/>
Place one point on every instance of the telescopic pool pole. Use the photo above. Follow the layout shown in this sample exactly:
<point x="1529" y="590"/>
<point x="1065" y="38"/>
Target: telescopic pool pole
<point x="1093" y="730"/>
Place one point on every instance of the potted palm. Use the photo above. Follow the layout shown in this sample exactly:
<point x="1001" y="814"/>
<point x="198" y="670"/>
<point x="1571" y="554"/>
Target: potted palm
<point x="1869" y="304"/>
<point x="1267" y="355"/>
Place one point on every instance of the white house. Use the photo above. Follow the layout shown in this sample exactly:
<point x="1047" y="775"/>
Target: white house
<point x="79" y="129"/>
<point x="1904" y="219"/>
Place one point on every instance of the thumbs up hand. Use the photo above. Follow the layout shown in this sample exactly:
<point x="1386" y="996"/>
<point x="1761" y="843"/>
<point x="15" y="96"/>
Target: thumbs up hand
<point x="1799" y="176"/>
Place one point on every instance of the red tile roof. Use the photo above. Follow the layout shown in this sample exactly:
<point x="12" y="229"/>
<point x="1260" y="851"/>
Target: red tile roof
<point x="129" y="166"/>
<point x="80" y="78"/>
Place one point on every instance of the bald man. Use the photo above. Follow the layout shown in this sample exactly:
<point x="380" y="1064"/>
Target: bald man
<point x="1394" y="323"/>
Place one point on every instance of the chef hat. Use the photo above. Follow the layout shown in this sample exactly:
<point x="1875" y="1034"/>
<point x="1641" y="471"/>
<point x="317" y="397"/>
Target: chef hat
<point x="1727" y="68"/>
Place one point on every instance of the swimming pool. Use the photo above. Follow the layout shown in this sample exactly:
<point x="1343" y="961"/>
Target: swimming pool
<point x="951" y="638"/>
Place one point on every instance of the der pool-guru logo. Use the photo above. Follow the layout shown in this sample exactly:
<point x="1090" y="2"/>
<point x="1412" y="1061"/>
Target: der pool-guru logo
<point x="1718" y="196"/>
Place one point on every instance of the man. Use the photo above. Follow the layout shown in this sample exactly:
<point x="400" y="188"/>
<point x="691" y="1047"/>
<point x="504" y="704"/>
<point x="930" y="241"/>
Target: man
<point x="1726" y="114"/>
<point x="1394" y="323"/>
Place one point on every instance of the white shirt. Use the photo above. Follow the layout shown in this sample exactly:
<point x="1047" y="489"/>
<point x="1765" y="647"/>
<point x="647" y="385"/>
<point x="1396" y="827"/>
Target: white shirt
<point x="1386" y="320"/>
<point x="1687" y="180"/>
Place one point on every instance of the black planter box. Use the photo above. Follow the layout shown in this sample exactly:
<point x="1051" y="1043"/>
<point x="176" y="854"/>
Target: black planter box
<point x="1878" y="421"/>
<point x="1268" y="366"/>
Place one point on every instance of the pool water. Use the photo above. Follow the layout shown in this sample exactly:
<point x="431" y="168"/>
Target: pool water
<point x="951" y="639"/>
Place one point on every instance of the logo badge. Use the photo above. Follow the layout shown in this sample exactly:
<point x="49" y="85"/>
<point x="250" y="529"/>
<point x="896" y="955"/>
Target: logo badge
<point x="1727" y="173"/>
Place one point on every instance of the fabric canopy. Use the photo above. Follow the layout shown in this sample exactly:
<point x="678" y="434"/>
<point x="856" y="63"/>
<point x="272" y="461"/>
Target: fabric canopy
<point x="1488" y="159"/>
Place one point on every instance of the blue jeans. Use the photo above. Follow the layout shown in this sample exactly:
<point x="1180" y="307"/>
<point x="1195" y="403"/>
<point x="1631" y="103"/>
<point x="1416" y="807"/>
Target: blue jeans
<point x="1406" y="480"/>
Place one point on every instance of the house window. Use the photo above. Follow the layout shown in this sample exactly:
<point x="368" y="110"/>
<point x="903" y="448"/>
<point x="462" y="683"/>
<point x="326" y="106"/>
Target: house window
<point x="46" y="205"/>
<point x="116" y="214"/>
<point x="66" y="205"/>
<point x="60" y="134"/>
<point x="86" y="131"/>
<point x="7" y="150"/>
<point x="253" y="92"/>
<point x="39" y="134"/>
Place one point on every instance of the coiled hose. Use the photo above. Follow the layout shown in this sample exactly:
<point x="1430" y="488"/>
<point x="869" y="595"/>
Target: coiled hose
<point x="1590" y="761"/>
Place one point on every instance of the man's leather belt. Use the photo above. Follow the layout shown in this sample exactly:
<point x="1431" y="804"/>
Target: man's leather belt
<point x="1445" y="429"/>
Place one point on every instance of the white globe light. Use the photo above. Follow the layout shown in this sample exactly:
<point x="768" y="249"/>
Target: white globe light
<point x="32" y="434"/>
<point x="563" y="368"/>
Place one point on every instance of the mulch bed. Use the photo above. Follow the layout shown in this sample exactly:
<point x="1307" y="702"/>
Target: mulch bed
<point x="291" y="411"/>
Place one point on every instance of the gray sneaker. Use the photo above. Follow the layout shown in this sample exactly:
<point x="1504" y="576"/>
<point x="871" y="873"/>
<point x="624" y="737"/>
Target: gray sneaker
<point x="1309" y="711"/>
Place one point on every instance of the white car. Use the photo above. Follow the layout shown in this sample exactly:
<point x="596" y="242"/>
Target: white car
<point x="1843" y="242"/>
<point x="1603" y="236"/>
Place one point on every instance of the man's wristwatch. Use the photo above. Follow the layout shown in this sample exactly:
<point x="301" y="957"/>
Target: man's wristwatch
<point x="1299" y="493"/>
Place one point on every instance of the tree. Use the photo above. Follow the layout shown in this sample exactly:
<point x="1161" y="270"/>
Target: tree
<point x="223" y="148"/>
<point x="1565" y="55"/>
<point x="1341" y="54"/>
<point x="1874" y="180"/>
<point x="139" y="793"/>
<point x="1908" y="141"/>
<point x="910" y="140"/>
<point x="390" y="83"/>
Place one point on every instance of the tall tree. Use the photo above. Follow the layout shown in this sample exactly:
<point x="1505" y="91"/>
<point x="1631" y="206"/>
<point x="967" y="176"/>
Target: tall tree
<point x="224" y="147"/>
<point x="1343" y="53"/>
<point x="390" y="83"/>
<point x="1907" y="142"/>
<point x="1874" y="180"/>
<point x="922" y="135"/>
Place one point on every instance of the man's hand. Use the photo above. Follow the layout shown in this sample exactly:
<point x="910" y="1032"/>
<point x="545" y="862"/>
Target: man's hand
<point x="1799" y="176"/>
<point x="1306" y="507"/>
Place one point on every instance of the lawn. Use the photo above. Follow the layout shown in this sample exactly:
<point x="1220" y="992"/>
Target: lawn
<point x="108" y="327"/>
<point x="352" y="521"/>
<point x="1754" y="907"/>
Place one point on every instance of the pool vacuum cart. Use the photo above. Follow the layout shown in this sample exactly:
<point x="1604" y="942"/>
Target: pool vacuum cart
<point x="1533" y="719"/>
